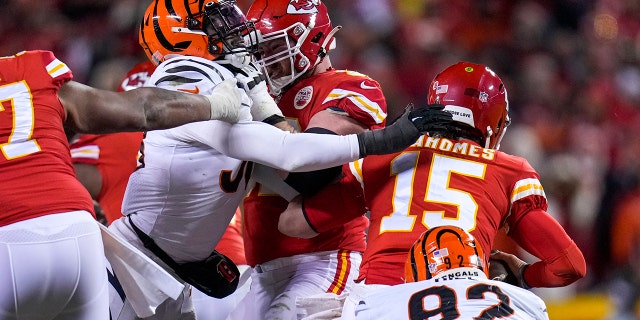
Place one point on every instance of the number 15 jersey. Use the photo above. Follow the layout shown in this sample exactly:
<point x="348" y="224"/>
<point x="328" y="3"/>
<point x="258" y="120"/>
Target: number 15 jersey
<point x="435" y="182"/>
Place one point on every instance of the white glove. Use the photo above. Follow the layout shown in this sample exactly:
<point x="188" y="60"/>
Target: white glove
<point x="226" y="100"/>
<point x="253" y="82"/>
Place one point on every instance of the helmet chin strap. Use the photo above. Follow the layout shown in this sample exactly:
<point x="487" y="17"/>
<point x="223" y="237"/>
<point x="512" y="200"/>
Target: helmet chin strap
<point x="322" y="53"/>
<point x="500" y="138"/>
<point x="488" y="139"/>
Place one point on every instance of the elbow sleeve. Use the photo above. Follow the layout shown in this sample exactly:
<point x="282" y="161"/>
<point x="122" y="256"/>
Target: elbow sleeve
<point x="558" y="271"/>
<point x="309" y="183"/>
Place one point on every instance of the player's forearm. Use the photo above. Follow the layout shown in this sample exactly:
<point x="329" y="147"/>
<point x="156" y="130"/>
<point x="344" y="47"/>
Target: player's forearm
<point x="559" y="271"/>
<point x="166" y="109"/>
<point x="265" y="144"/>
<point x="561" y="261"/>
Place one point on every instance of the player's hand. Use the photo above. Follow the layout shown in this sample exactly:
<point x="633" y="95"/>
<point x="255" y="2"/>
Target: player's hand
<point x="404" y="131"/>
<point x="285" y="126"/>
<point x="430" y="118"/>
<point x="512" y="268"/>
<point x="253" y="82"/>
<point x="226" y="101"/>
<point x="249" y="77"/>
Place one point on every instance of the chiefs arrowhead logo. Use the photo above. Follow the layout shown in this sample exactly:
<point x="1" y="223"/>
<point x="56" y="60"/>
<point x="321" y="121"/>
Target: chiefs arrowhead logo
<point x="303" y="6"/>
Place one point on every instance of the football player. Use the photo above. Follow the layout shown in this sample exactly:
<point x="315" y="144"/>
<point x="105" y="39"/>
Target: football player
<point x="192" y="179"/>
<point x="103" y="163"/>
<point x="231" y="244"/>
<point x="446" y="277"/>
<point x="295" y="39"/>
<point x="51" y="253"/>
<point x="455" y="176"/>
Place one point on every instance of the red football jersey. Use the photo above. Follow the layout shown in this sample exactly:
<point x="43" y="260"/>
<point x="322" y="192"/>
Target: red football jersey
<point x="347" y="92"/>
<point x="115" y="156"/>
<point x="435" y="182"/>
<point x="37" y="175"/>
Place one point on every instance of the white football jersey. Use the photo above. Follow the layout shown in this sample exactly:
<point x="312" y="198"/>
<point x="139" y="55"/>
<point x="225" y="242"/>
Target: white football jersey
<point x="190" y="181"/>
<point x="181" y="181"/>
<point x="462" y="293"/>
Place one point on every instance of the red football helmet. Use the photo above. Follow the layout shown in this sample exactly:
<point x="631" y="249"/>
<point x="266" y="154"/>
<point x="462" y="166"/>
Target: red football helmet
<point x="440" y="249"/>
<point x="304" y="26"/>
<point x="476" y="96"/>
<point x="137" y="76"/>
<point x="201" y="28"/>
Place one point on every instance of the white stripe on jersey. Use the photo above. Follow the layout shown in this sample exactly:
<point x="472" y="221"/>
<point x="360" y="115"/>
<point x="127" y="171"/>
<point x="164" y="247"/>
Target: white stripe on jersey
<point x="525" y="188"/>
<point x="86" y="152"/>
<point x="56" y="68"/>
<point x="356" y="170"/>
<point x="187" y="72"/>
<point x="191" y="74"/>
<point x="360" y="101"/>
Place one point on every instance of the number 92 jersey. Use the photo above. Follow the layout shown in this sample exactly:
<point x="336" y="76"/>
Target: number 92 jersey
<point x="461" y="293"/>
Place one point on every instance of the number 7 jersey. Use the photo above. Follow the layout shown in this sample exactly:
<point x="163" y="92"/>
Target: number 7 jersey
<point x="37" y="175"/>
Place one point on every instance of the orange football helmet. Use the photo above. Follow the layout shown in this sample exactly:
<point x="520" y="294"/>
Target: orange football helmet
<point x="201" y="28"/>
<point x="476" y="97"/>
<point x="440" y="249"/>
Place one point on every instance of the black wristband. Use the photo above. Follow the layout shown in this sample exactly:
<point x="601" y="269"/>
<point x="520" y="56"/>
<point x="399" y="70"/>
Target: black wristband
<point x="304" y="213"/>
<point x="523" y="283"/>
<point x="310" y="182"/>
<point x="273" y="119"/>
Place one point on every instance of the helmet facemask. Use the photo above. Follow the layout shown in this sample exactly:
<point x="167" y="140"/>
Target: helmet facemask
<point x="229" y="33"/>
<point x="283" y="47"/>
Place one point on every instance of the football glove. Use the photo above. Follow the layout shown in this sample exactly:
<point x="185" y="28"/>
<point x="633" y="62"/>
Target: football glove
<point x="253" y="82"/>
<point x="514" y="268"/>
<point x="404" y="132"/>
<point x="226" y="100"/>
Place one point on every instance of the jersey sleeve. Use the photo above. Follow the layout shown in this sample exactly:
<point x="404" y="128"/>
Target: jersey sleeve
<point x="359" y="97"/>
<point x="192" y="75"/>
<point x="268" y="145"/>
<point x="347" y="203"/>
<point x="57" y="70"/>
<point x="561" y="261"/>
<point x="85" y="150"/>
<point x="527" y="194"/>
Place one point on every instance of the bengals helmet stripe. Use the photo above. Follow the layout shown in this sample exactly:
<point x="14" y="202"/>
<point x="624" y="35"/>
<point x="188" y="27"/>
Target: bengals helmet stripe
<point x="440" y="249"/>
<point x="202" y="28"/>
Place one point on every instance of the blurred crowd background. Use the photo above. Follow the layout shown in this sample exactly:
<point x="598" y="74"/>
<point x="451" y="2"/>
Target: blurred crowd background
<point x="571" y="68"/>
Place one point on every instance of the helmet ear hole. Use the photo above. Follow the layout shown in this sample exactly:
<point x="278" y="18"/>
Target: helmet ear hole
<point x="193" y="23"/>
<point x="317" y="37"/>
